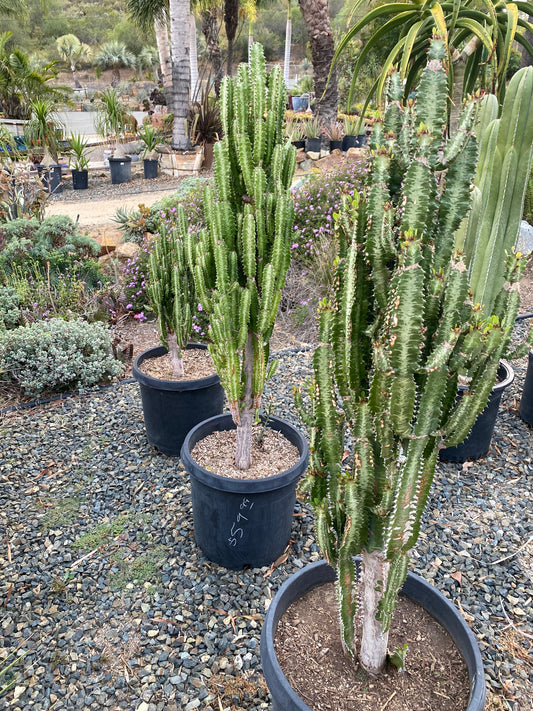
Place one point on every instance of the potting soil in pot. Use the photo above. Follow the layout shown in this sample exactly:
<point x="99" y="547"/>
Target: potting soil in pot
<point x="308" y="648"/>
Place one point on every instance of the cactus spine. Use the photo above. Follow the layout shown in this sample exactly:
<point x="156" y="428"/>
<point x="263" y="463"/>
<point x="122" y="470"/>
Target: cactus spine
<point x="170" y="289"/>
<point x="490" y="235"/>
<point x="393" y="342"/>
<point x="241" y="258"/>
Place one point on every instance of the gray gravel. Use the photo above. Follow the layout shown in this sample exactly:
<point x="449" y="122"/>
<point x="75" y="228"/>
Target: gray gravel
<point x="102" y="581"/>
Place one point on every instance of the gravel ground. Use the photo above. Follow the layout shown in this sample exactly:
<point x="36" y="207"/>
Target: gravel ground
<point x="102" y="582"/>
<point x="100" y="186"/>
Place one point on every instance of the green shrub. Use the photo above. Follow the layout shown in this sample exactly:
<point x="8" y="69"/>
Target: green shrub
<point x="56" y="240"/>
<point x="10" y="313"/>
<point x="65" y="293"/>
<point x="57" y="356"/>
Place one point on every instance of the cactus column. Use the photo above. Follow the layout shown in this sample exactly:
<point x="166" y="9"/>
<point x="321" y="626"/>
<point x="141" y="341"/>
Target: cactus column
<point x="393" y="343"/>
<point x="241" y="258"/>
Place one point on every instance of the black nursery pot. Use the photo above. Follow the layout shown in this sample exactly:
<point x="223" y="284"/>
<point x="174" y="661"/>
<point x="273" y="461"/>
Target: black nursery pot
<point x="172" y="407"/>
<point x="313" y="145"/>
<point x="80" y="179"/>
<point x="150" y="168"/>
<point x="477" y="444"/>
<point x="284" y="698"/>
<point x="335" y="146"/>
<point x="349" y="142"/>
<point x="300" y="143"/>
<point x="241" y="522"/>
<point x="50" y="176"/>
<point x="526" y="401"/>
<point x="361" y="140"/>
<point x="120" y="169"/>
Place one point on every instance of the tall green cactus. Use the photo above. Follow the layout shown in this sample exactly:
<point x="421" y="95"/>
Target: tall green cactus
<point x="490" y="235"/>
<point x="393" y="343"/>
<point x="241" y="258"/>
<point x="170" y="290"/>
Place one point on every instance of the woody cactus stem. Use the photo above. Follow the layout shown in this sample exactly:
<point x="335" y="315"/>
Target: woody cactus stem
<point x="491" y="233"/>
<point x="170" y="290"/>
<point x="393" y="342"/>
<point x="241" y="258"/>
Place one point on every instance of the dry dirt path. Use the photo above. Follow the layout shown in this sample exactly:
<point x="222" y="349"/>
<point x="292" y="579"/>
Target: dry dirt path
<point x="98" y="212"/>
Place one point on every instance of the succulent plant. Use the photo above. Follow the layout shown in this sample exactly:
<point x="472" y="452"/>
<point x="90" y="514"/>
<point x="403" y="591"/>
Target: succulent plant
<point x="241" y="259"/>
<point x="170" y="289"/>
<point x="394" y="341"/>
<point x="489" y="236"/>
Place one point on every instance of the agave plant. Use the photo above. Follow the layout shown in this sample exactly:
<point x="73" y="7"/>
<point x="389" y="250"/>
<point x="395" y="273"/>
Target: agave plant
<point x="395" y="339"/>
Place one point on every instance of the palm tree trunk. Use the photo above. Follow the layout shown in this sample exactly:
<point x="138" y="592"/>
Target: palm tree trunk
<point x="526" y="60"/>
<point x="287" y="55"/>
<point x="459" y="60"/>
<point x="316" y="18"/>
<point x="231" y="21"/>
<point x="210" y="31"/>
<point x="180" y="11"/>
<point x="194" y="60"/>
<point x="165" y="60"/>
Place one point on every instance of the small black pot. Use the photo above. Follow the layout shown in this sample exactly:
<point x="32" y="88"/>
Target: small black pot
<point x="284" y="698"/>
<point x="349" y="142"/>
<point x="150" y="168"/>
<point x="80" y="179"/>
<point x="313" y="145"/>
<point x="241" y="522"/>
<point x="361" y="140"/>
<point x="526" y="401"/>
<point x="172" y="407"/>
<point x="50" y="176"/>
<point x="335" y="146"/>
<point x="477" y="444"/>
<point x="120" y="169"/>
<point x="299" y="144"/>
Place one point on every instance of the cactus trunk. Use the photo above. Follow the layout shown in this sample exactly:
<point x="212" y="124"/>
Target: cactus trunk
<point x="175" y="355"/>
<point x="243" y="447"/>
<point x="374" y="573"/>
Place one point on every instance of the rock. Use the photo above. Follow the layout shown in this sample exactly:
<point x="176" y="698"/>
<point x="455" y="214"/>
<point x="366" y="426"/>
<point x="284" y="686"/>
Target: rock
<point x="313" y="156"/>
<point x="300" y="156"/>
<point x="355" y="153"/>
<point x="331" y="160"/>
<point x="127" y="250"/>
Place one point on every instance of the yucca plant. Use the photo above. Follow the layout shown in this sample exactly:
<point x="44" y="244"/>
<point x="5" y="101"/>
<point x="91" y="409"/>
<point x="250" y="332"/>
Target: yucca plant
<point x="394" y="341"/>
<point x="241" y="259"/>
<point x="77" y="145"/>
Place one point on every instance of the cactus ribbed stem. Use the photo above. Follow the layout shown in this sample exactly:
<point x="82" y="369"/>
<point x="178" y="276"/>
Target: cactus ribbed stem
<point x="394" y="340"/>
<point x="241" y="259"/>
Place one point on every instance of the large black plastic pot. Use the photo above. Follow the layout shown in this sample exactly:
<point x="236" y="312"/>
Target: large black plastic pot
<point x="349" y="141"/>
<point x="80" y="179"/>
<point x="313" y="145"/>
<point x="361" y="140"/>
<point x="120" y="169"/>
<point x="335" y="145"/>
<point x="50" y="176"/>
<point x="241" y="522"/>
<point x="172" y="407"/>
<point x="284" y="698"/>
<point x="477" y="444"/>
<point x="526" y="401"/>
<point x="150" y="168"/>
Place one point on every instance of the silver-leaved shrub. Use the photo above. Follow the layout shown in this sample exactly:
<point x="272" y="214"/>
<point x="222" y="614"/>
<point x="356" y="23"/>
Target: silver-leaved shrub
<point x="57" y="356"/>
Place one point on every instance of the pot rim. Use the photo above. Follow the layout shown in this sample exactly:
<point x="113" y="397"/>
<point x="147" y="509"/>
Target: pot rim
<point x="508" y="377"/>
<point x="173" y="385"/>
<point x="415" y="587"/>
<point x="223" y="483"/>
